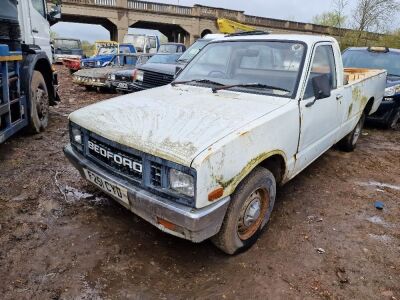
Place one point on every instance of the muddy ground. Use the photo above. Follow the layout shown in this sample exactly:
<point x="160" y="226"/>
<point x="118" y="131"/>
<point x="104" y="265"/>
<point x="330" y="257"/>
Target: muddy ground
<point x="82" y="245"/>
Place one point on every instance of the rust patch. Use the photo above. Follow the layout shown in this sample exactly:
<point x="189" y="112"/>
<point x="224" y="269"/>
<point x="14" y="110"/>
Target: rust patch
<point x="230" y="185"/>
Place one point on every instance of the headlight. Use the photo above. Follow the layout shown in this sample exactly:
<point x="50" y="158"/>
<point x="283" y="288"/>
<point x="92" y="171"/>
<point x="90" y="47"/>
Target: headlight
<point x="112" y="77"/>
<point x="94" y="79"/>
<point x="181" y="182"/>
<point x="76" y="135"/>
<point x="82" y="64"/>
<point x="98" y="63"/>
<point x="139" y="75"/>
<point x="391" y="91"/>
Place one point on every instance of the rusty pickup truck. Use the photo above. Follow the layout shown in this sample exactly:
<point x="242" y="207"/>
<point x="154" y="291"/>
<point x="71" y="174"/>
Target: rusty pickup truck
<point x="202" y="157"/>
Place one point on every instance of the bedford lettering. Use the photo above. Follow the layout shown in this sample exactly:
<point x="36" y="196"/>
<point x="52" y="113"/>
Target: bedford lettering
<point x="118" y="159"/>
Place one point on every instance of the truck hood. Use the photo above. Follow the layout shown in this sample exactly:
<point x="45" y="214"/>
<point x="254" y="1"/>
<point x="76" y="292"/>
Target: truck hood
<point x="174" y="123"/>
<point x="100" y="72"/>
<point x="169" y="69"/>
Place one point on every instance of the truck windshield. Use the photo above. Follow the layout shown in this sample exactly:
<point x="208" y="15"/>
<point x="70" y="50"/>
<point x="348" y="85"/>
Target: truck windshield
<point x="107" y="50"/>
<point x="363" y="58"/>
<point x="67" y="44"/>
<point x="164" y="58"/>
<point x="249" y="66"/>
<point x="136" y="40"/>
<point x="193" y="50"/>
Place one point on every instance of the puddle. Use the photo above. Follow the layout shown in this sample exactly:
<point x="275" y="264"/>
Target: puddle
<point x="379" y="185"/>
<point x="386" y="239"/>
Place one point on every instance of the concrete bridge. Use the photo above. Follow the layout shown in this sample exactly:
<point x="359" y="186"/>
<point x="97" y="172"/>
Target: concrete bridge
<point x="179" y="23"/>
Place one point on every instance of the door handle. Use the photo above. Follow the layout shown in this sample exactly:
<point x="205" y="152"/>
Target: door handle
<point x="34" y="30"/>
<point x="339" y="97"/>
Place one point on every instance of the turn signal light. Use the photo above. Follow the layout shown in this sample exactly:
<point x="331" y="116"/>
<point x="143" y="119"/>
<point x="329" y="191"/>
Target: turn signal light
<point x="216" y="194"/>
<point x="166" y="224"/>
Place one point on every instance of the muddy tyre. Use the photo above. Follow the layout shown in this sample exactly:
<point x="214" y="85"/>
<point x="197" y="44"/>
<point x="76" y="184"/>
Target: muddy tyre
<point x="248" y="212"/>
<point x="39" y="104"/>
<point x="349" y="142"/>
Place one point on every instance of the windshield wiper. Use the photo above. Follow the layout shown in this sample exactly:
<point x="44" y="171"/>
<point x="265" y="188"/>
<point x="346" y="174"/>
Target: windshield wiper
<point x="196" y="80"/>
<point x="393" y="75"/>
<point x="256" y="85"/>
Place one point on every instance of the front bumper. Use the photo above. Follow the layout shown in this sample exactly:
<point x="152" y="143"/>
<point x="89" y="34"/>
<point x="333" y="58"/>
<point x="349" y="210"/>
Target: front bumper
<point x="192" y="224"/>
<point x="60" y="57"/>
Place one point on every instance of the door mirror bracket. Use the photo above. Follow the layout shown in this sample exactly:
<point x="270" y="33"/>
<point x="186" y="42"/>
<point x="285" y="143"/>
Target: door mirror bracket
<point x="322" y="88"/>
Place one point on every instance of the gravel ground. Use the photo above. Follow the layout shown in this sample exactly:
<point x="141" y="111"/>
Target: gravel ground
<point x="326" y="240"/>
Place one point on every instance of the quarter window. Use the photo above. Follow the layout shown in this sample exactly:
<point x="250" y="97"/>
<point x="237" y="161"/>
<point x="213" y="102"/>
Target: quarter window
<point x="39" y="6"/>
<point x="323" y="64"/>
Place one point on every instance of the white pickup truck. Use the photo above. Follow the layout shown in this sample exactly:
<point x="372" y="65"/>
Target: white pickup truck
<point x="201" y="157"/>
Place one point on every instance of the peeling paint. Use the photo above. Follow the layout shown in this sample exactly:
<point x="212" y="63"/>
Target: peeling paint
<point x="230" y="185"/>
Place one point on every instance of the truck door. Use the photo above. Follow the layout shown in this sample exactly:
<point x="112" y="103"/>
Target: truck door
<point x="40" y="26"/>
<point x="320" y="122"/>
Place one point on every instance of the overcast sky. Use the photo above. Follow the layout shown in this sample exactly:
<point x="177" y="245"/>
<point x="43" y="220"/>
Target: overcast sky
<point x="295" y="10"/>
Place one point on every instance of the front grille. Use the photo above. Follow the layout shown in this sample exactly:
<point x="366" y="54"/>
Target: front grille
<point x="123" y="78"/>
<point x="155" y="174"/>
<point x="156" y="79"/>
<point x="122" y="162"/>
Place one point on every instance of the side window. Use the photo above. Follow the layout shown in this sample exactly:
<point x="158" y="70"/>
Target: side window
<point x="153" y="43"/>
<point x="323" y="63"/>
<point x="39" y="6"/>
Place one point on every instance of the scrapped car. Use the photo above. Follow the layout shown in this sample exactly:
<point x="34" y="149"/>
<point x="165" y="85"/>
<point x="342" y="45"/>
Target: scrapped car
<point x="172" y="48"/>
<point x="122" y="80"/>
<point x="105" y="53"/>
<point x="67" y="49"/>
<point x="388" y="112"/>
<point x="159" y="70"/>
<point x="201" y="157"/>
<point x="97" y="77"/>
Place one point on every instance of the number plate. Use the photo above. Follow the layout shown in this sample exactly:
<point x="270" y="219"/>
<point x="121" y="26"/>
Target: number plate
<point x="107" y="186"/>
<point x="122" y="85"/>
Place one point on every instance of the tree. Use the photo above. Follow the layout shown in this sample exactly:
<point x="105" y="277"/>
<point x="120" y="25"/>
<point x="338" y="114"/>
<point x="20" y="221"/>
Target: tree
<point x="374" y="15"/>
<point x="334" y="18"/>
<point x="330" y="19"/>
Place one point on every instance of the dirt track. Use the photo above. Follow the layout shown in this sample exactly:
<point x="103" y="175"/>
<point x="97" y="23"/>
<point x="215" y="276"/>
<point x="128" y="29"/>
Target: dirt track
<point x="85" y="246"/>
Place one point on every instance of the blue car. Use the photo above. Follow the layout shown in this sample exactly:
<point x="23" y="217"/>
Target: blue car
<point x="388" y="112"/>
<point x="105" y="54"/>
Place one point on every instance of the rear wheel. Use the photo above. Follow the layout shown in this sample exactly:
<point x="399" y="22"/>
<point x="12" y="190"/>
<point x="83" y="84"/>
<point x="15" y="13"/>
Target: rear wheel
<point x="349" y="142"/>
<point x="249" y="211"/>
<point x="39" y="103"/>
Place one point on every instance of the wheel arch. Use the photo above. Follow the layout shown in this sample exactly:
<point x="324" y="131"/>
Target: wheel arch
<point x="274" y="161"/>
<point x="368" y="107"/>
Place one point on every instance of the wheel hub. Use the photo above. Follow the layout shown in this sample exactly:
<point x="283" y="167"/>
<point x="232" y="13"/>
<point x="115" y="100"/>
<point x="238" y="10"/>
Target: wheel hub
<point x="252" y="212"/>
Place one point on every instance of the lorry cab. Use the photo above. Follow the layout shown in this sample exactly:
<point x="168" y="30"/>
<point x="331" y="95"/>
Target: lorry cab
<point x="35" y="22"/>
<point x="65" y="48"/>
<point x="143" y="43"/>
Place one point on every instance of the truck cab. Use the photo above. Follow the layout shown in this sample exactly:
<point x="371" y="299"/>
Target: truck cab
<point x="143" y="43"/>
<point x="65" y="48"/>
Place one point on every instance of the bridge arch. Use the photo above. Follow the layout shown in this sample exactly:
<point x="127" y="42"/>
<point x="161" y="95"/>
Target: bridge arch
<point x="174" y="33"/>
<point x="205" y="32"/>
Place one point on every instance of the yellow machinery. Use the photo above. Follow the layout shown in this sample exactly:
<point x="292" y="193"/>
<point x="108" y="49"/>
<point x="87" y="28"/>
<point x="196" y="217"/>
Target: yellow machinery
<point x="228" y="26"/>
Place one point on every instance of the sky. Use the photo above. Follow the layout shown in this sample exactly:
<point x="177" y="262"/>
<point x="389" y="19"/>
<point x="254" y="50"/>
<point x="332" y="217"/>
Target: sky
<point x="294" y="10"/>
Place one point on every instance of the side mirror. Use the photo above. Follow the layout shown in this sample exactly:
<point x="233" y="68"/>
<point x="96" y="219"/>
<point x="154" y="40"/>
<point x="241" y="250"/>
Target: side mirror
<point x="322" y="87"/>
<point x="55" y="14"/>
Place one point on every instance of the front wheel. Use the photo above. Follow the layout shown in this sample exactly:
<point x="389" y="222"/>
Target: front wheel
<point x="249" y="211"/>
<point x="39" y="103"/>
<point x="349" y="142"/>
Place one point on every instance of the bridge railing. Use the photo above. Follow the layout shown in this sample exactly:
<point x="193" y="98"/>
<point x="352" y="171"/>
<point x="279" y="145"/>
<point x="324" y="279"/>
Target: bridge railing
<point x="93" y="2"/>
<point x="159" y="7"/>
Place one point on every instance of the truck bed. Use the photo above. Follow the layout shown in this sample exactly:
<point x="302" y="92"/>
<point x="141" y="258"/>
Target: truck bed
<point x="352" y="75"/>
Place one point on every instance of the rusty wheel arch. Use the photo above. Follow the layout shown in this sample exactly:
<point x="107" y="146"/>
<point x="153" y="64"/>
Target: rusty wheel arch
<point x="276" y="164"/>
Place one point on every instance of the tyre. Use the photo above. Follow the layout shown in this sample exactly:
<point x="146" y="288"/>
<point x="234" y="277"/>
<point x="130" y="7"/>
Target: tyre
<point x="393" y="120"/>
<point x="248" y="212"/>
<point x="349" y="142"/>
<point x="39" y="103"/>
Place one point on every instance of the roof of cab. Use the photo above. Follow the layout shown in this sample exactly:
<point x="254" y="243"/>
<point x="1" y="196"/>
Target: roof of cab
<point x="306" y="38"/>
